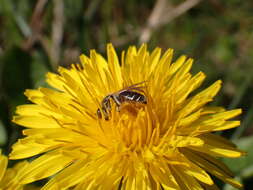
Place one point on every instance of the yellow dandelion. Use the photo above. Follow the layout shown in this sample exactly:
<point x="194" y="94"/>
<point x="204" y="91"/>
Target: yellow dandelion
<point x="131" y="124"/>
<point x="9" y="177"/>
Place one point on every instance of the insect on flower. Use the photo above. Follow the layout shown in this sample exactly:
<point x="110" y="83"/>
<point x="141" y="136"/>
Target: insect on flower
<point x="162" y="138"/>
<point x="132" y="94"/>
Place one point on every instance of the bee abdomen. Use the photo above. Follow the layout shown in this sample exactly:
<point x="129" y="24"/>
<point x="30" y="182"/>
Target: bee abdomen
<point x="132" y="96"/>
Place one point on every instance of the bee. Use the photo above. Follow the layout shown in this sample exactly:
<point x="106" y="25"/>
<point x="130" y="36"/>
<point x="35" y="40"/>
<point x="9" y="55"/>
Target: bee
<point x="133" y="93"/>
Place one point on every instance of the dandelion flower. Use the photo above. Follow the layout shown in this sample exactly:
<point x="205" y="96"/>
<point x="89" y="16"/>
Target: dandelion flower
<point x="165" y="143"/>
<point x="9" y="177"/>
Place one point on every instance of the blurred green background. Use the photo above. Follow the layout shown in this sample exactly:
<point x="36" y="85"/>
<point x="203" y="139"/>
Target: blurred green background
<point x="38" y="36"/>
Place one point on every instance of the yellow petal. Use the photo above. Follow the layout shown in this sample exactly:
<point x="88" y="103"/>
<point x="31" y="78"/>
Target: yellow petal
<point x="212" y="168"/>
<point x="31" y="146"/>
<point x="217" y="148"/>
<point x="185" y="181"/>
<point x="38" y="168"/>
<point x="200" y="99"/>
<point x="55" y="81"/>
<point x="114" y="66"/>
<point x="3" y="165"/>
<point x="35" y="121"/>
<point x="177" y="64"/>
<point x="181" y="141"/>
<point x="67" y="177"/>
<point x="35" y="96"/>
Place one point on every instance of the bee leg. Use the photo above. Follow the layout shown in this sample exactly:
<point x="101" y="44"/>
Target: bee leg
<point x="106" y="113"/>
<point x="106" y="117"/>
<point x="116" y="100"/>
<point x="118" y="108"/>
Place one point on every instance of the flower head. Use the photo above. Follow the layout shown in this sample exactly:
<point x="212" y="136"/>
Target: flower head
<point x="96" y="133"/>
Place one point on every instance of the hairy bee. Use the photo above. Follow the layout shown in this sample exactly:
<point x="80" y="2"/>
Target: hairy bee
<point x="133" y="93"/>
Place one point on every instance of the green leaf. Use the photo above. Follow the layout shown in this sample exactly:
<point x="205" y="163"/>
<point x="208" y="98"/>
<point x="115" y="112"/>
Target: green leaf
<point x="247" y="172"/>
<point x="15" y="75"/>
<point x="3" y="135"/>
<point x="39" y="69"/>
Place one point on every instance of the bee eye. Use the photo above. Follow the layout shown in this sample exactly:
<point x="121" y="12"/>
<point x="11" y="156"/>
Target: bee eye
<point x="99" y="114"/>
